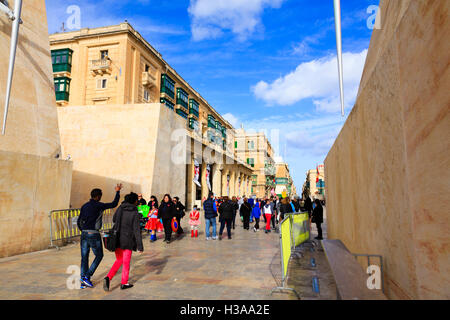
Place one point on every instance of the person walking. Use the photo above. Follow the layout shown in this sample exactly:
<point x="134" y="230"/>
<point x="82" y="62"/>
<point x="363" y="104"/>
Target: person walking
<point x="256" y="213"/>
<point x="278" y="207"/>
<point x="308" y="206"/>
<point x="226" y="210"/>
<point x="194" y="222"/>
<point x="152" y="223"/>
<point x="285" y="208"/>
<point x="273" y="205"/>
<point x="90" y="222"/>
<point x="268" y="212"/>
<point x="159" y="225"/>
<point x="209" y="206"/>
<point x="317" y="218"/>
<point x="126" y="220"/>
<point x="143" y="209"/>
<point x="245" y="212"/>
<point x="236" y="208"/>
<point x="166" y="212"/>
<point x="179" y="213"/>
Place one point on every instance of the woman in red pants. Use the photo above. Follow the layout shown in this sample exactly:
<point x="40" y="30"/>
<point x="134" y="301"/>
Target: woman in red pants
<point x="267" y="211"/>
<point x="127" y="218"/>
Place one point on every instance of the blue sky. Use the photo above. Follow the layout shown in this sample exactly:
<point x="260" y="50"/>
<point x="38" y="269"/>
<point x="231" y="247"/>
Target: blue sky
<point x="267" y="64"/>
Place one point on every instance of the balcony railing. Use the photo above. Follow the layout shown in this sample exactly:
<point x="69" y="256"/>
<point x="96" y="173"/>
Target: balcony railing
<point x="148" y="79"/>
<point x="100" y="66"/>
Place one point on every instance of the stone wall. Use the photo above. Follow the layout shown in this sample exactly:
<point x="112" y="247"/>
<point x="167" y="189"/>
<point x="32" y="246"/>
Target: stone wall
<point x="30" y="187"/>
<point x="33" y="179"/>
<point x="387" y="174"/>
<point x="128" y="144"/>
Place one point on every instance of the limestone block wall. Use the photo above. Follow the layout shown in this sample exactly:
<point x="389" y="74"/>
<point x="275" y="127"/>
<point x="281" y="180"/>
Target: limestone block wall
<point x="30" y="187"/>
<point x="33" y="179"/>
<point x="388" y="171"/>
<point x="128" y="144"/>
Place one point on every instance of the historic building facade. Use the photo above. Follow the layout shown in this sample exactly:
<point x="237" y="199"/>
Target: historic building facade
<point x="115" y="74"/>
<point x="314" y="185"/>
<point x="255" y="149"/>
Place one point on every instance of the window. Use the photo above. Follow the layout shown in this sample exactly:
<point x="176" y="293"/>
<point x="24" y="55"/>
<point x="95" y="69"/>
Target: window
<point x="147" y="68"/>
<point x="101" y="83"/>
<point x="193" y="107"/>
<point x="62" y="87"/>
<point x="146" y="95"/>
<point x="251" y="162"/>
<point x="193" y="124"/>
<point x="235" y="144"/>
<point x="103" y="54"/>
<point x="62" y="60"/>
<point x="167" y="103"/>
<point x="182" y="98"/>
<point x="211" y="122"/>
<point x="251" y="145"/>
<point x="167" y="86"/>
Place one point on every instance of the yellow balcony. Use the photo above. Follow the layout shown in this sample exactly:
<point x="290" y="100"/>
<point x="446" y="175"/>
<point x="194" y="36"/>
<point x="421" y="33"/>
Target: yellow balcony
<point x="148" y="79"/>
<point x="100" y="66"/>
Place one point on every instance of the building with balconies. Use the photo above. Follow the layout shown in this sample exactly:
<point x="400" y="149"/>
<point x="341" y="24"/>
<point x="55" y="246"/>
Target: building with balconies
<point x="115" y="66"/>
<point x="255" y="149"/>
<point x="283" y="179"/>
<point x="314" y="185"/>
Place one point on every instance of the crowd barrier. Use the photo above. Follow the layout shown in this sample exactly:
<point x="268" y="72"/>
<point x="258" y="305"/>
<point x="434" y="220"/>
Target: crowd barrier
<point x="294" y="230"/>
<point x="63" y="224"/>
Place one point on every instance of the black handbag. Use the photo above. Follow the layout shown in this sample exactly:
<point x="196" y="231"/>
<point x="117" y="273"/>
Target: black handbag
<point x="112" y="237"/>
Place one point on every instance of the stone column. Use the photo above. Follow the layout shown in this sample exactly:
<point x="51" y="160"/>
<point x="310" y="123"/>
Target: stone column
<point x="217" y="180"/>
<point x="232" y="182"/>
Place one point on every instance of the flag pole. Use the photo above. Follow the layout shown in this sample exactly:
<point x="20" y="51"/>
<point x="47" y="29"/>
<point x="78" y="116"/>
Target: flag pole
<point x="12" y="56"/>
<point x="337" y="18"/>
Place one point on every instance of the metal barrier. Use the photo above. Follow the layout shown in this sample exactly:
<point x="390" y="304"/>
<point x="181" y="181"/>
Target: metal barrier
<point x="295" y="229"/>
<point x="63" y="224"/>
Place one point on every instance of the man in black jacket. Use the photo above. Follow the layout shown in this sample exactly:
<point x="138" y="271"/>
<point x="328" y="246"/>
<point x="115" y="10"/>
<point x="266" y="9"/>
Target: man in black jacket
<point x="308" y="205"/>
<point x="226" y="210"/>
<point x="317" y="218"/>
<point x="90" y="222"/>
<point x="179" y="213"/>
<point x="245" y="211"/>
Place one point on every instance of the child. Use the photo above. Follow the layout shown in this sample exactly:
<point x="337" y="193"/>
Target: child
<point x="152" y="222"/>
<point x="194" y="221"/>
<point x="256" y="213"/>
<point x="143" y="209"/>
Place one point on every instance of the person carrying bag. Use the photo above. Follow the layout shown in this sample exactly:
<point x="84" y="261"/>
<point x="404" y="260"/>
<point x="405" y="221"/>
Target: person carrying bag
<point x="127" y="238"/>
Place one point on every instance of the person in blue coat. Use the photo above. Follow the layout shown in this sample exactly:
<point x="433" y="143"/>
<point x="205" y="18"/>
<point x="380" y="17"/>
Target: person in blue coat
<point x="256" y="213"/>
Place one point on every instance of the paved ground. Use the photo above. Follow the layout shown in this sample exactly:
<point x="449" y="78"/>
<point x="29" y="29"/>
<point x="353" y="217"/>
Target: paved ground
<point x="245" y="267"/>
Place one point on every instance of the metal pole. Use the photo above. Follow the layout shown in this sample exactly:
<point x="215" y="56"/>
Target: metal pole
<point x="12" y="56"/>
<point x="337" y="18"/>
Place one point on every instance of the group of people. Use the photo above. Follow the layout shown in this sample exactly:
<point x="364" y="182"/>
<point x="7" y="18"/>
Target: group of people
<point x="135" y="215"/>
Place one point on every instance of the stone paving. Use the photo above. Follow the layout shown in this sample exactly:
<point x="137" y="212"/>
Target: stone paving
<point x="245" y="267"/>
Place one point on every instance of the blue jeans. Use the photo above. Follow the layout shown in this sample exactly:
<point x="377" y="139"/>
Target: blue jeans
<point x="210" y="222"/>
<point x="90" y="241"/>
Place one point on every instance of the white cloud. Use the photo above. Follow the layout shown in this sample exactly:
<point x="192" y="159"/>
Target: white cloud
<point x="209" y="18"/>
<point x="231" y="119"/>
<point x="317" y="80"/>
